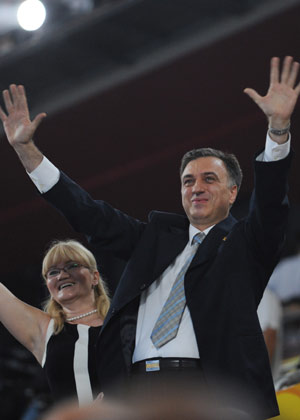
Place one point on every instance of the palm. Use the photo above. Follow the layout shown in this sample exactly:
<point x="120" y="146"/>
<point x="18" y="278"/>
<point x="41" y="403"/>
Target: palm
<point x="18" y="127"/>
<point x="280" y="100"/>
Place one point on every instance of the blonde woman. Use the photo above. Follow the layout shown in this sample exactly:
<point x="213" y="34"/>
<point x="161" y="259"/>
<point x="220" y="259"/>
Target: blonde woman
<point x="63" y="336"/>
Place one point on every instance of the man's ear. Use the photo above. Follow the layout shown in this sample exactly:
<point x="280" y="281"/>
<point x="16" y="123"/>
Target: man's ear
<point x="233" y="194"/>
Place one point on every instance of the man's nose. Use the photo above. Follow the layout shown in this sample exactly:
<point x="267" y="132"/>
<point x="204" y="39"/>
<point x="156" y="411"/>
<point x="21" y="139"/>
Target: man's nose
<point x="198" y="186"/>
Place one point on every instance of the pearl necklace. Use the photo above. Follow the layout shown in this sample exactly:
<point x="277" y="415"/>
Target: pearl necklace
<point x="82" y="315"/>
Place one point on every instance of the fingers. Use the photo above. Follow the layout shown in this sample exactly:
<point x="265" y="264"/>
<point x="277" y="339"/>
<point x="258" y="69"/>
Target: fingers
<point x="15" y="98"/>
<point x="297" y="89"/>
<point x="3" y="116"/>
<point x="289" y="73"/>
<point x="100" y="396"/>
<point x="286" y="69"/>
<point x="38" y="119"/>
<point x="7" y="100"/>
<point x="21" y="100"/>
<point x="13" y="94"/>
<point x="19" y="97"/>
<point x="253" y="95"/>
<point x="293" y="74"/>
<point x="274" y="71"/>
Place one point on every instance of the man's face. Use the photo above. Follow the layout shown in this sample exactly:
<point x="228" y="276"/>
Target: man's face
<point x="206" y="194"/>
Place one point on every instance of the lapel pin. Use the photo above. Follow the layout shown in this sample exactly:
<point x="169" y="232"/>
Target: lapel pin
<point x="224" y="239"/>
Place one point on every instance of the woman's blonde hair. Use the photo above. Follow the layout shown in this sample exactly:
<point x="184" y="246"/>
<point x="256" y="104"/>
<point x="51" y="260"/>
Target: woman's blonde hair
<point x="71" y="250"/>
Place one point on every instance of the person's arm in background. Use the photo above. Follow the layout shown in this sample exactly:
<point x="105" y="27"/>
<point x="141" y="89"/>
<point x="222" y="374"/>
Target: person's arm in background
<point x="26" y="323"/>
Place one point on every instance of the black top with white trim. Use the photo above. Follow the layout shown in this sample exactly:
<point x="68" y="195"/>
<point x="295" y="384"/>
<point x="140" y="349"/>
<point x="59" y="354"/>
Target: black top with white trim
<point x="70" y="362"/>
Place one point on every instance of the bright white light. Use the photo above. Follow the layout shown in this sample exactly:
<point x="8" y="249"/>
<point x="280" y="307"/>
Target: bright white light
<point x="31" y="15"/>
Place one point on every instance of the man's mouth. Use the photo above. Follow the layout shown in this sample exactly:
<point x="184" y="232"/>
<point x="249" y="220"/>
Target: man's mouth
<point x="64" y="285"/>
<point x="199" y="200"/>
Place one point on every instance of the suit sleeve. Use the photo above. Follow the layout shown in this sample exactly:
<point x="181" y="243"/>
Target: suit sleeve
<point x="105" y="227"/>
<point x="267" y="219"/>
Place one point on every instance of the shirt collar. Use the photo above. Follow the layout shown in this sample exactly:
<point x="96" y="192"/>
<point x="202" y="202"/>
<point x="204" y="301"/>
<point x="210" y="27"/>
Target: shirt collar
<point x="193" y="231"/>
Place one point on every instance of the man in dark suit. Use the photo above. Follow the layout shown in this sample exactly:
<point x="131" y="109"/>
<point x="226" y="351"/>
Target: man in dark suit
<point x="220" y="265"/>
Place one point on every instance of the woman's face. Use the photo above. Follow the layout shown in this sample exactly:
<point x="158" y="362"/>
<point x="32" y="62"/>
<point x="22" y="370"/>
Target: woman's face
<point x="68" y="281"/>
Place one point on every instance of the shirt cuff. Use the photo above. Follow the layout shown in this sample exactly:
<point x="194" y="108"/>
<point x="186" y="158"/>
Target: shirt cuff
<point x="44" y="176"/>
<point x="274" y="151"/>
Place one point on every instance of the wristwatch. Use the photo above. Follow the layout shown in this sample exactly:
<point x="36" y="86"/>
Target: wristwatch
<point x="279" y="132"/>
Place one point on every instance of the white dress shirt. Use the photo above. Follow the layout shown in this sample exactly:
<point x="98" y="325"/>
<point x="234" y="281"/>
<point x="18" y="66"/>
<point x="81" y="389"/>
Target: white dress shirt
<point x="46" y="175"/>
<point x="151" y="303"/>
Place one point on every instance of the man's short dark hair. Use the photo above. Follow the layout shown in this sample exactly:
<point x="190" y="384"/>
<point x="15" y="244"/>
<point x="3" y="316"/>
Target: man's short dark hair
<point x="231" y="163"/>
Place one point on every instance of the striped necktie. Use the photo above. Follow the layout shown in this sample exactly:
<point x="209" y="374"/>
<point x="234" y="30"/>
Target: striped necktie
<point x="167" y="324"/>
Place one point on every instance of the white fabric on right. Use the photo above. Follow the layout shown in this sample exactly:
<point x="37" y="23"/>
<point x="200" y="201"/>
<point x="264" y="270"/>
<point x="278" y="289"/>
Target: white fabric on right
<point x="270" y="315"/>
<point x="285" y="280"/>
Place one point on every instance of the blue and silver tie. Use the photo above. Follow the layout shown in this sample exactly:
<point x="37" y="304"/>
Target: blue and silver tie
<point x="167" y="324"/>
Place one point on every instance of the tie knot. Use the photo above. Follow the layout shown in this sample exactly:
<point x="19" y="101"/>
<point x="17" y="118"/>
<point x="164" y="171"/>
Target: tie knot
<point x="198" y="238"/>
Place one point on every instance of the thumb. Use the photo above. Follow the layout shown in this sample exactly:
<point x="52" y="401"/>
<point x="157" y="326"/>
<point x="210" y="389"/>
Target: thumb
<point x="100" y="396"/>
<point x="252" y="94"/>
<point x="38" y="119"/>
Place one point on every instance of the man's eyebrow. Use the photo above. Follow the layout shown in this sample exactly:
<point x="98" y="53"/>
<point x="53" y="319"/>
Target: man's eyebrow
<point x="214" y="174"/>
<point x="210" y="173"/>
<point x="202" y="174"/>
<point x="188" y="176"/>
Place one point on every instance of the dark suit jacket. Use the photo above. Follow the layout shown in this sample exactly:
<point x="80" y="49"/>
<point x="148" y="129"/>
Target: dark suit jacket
<point x="223" y="285"/>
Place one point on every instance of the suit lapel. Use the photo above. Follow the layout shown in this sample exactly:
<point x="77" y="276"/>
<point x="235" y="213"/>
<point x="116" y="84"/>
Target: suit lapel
<point x="209" y="247"/>
<point x="169" y="245"/>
